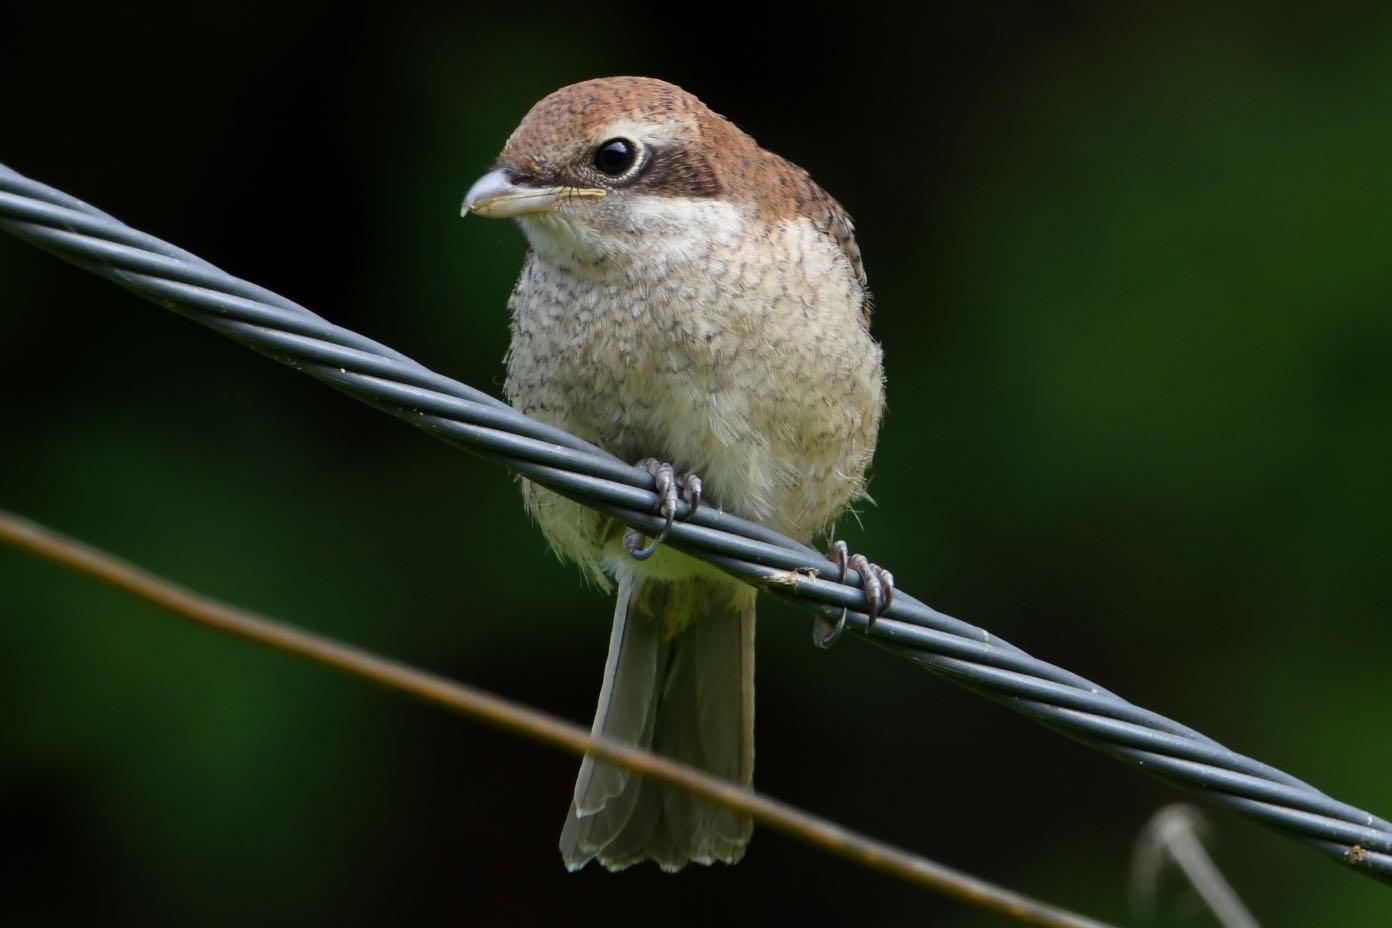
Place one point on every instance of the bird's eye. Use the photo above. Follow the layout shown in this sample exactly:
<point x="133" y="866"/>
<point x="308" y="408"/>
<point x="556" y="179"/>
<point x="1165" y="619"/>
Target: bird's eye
<point x="615" y="157"/>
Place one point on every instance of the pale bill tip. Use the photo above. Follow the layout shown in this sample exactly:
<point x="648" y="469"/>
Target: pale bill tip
<point x="495" y="195"/>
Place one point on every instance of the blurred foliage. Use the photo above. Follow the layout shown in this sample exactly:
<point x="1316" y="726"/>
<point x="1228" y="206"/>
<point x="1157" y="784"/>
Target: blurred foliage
<point x="1133" y="284"/>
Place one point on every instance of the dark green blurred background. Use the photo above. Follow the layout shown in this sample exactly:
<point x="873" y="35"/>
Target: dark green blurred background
<point x="1133" y="284"/>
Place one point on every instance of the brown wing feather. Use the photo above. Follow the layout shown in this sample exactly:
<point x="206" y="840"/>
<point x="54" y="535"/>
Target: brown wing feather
<point x="831" y="217"/>
<point x="778" y="189"/>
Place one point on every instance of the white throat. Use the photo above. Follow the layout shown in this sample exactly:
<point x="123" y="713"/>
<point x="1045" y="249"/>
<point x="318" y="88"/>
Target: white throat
<point x="621" y="231"/>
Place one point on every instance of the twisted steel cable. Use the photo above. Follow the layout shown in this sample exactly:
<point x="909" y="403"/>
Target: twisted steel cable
<point x="461" y="415"/>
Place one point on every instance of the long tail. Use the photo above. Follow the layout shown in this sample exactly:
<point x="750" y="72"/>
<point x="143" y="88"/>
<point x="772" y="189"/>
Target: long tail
<point x="680" y="680"/>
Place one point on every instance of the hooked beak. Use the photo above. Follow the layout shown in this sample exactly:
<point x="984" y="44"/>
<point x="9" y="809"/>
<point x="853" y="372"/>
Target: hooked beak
<point x="496" y="196"/>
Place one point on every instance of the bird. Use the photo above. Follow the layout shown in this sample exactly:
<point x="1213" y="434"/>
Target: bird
<point x="698" y="305"/>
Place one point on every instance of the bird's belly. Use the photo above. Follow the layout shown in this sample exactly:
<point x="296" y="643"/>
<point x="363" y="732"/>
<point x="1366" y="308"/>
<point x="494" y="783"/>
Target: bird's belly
<point x="762" y="449"/>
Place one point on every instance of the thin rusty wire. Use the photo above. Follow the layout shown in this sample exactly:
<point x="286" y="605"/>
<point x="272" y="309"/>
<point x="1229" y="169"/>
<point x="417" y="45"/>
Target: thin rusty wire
<point x="530" y="723"/>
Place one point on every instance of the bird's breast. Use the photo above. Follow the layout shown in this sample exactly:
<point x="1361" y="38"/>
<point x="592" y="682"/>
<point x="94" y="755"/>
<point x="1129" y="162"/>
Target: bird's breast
<point x="740" y="355"/>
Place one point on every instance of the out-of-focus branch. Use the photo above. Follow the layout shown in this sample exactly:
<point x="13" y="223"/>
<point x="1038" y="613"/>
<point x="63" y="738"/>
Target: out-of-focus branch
<point x="529" y="723"/>
<point x="1175" y="835"/>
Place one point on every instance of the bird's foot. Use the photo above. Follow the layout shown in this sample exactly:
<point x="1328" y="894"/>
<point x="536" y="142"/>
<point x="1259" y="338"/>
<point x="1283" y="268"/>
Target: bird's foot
<point x="668" y="485"/>
<point x="877" y="583"/>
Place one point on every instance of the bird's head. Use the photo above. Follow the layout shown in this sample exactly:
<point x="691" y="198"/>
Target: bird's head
<point x="608" y="167"/>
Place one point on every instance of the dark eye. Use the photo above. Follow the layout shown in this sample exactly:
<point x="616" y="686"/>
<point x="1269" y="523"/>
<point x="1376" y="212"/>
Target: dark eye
<point x="615" y="157"/>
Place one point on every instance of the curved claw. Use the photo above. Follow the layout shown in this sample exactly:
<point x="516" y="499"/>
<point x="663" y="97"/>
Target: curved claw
<point x="823" y="637"/>
<point x="642" y="554"/>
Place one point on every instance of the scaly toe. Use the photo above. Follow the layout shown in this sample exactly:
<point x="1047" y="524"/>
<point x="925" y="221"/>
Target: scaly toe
<point x="667" y="484"/>
<point x="887" y="582"/>
<point x="839" y="555"/>
<point x="876" y="583"/>
<point x="691" y="492"/>
<point x="870" y="583"/>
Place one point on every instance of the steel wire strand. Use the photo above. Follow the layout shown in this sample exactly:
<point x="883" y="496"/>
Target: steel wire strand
<point x="390" y="381"/>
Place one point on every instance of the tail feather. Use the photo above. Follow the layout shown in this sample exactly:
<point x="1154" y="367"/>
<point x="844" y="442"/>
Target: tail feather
<point x="632" y="668"/>
<point x="681" y="682"/>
